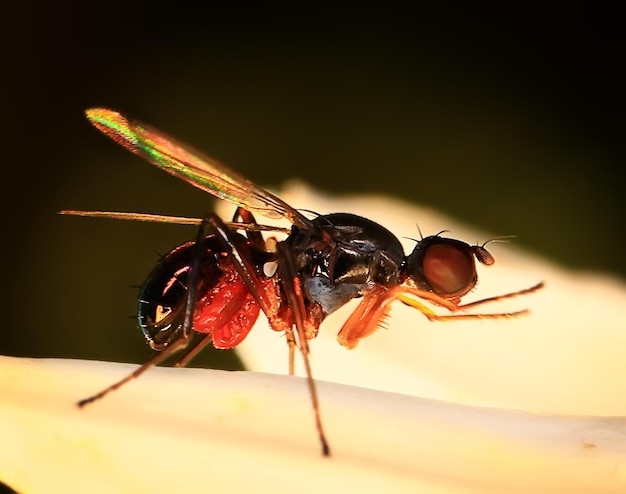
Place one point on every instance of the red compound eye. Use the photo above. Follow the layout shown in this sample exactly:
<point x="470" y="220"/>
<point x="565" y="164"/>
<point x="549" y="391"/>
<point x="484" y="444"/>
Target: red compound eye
<point x="449" y="270"/>
<point x="445" y="266"/>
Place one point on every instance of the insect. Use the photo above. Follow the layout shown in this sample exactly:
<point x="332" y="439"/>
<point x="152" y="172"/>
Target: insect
<point x="217" y="285"/>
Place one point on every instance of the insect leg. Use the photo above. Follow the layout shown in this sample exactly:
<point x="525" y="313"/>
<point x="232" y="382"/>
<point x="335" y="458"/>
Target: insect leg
<point x="247" y="217"/>
<point x="367" y="316"/>
<point x="376" y="304"/>
<point x="291" y="342"/>
<point x="185" y="333"/>
<point x="269" y="303"/>
<point x="501" y="297"/>
<point x="263" y="292"/>
<point x="258" y="242"/>
<point x="293" y="291"/>
<point x="262" y="289"/>
<point x="194" y="350"/>
<point x="407" y="295"/>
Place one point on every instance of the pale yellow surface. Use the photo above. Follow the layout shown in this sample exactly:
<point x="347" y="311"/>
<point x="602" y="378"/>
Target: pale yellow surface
<point x="189" y="430"/>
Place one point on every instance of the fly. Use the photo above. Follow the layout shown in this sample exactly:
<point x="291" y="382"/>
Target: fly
<point x="216" y="286"/>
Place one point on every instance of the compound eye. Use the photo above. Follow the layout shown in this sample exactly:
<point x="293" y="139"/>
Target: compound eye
<point x="449" y="269"/>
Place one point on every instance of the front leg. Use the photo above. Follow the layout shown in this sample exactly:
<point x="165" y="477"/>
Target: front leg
<point x="376" y="303"/>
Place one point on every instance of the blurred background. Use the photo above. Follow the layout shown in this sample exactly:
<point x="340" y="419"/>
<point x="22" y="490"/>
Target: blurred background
<point x="511" y="121"/>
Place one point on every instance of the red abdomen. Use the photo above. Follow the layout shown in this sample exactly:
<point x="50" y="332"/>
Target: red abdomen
<point x="227" y="310"/>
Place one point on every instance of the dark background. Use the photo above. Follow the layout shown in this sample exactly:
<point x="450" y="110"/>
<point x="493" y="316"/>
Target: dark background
<point x="512" y="121"/>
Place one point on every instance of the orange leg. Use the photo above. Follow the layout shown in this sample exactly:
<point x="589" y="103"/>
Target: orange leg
<point x="376" y="303"/>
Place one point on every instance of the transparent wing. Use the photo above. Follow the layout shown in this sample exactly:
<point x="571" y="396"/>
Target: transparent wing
<point x="200" y="171"/>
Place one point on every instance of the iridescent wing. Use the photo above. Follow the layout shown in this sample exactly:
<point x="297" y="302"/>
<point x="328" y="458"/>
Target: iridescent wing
<point x="200" y="171"/>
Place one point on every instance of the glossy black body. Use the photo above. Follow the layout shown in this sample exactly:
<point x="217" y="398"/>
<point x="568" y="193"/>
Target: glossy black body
<point x="354" y="253"/>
